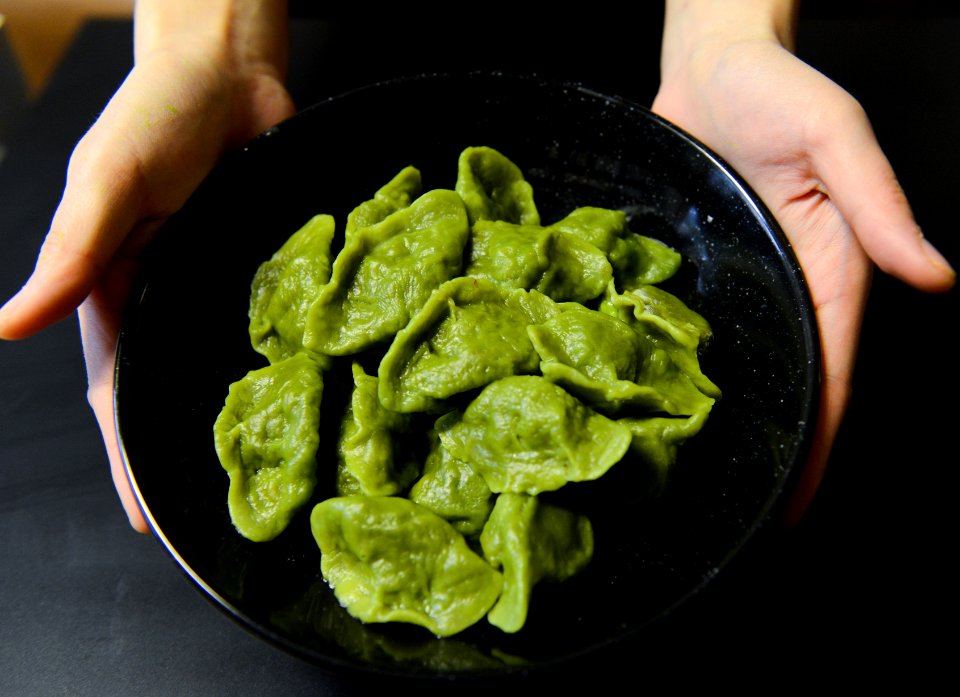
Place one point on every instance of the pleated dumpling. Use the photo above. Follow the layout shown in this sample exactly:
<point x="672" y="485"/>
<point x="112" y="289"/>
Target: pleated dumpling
<point x="385" y="274"/>
<point x="545" y="259"/>
<point x="674" y="331"/>
<point x="494" y="188"/>
<point x="636" y="259"/>
<point x="284" y="288"/>
<point x="266" y="437"/>
<point x="471" y="332"/>
<point x="530" y="541"/>
<point x="524" y="434"/>
<point x="389" y="559"/>
<point x="370" y="459"/>
<point x="396" y="194"/>
<point x="452" y="489"/>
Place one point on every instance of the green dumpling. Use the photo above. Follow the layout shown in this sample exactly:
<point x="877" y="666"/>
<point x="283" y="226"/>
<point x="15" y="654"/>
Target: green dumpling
<point x="601" y="359"/>
<point x="468" y="334"/>
<point x="531" y="541"/>
<point x="396" y="194"/>
<point x="493" y="188"/>
<point x="285" y="286"/>
<point x="639" y="260"/>
<point x="545" y="259"/>
<point x="663" y="313"/>
<point x="594" y="356"/>
<point x="386" y="273"/>
<point x="266" y="437"/>
<point x="656" y="440"/>
<point x="513" y="255"/>
<point x="524" y="434"/>
<point x="675" y="333"/>
<point x="601" y="227"/>
<point x="636" y="259"/>
<point x="620" y="371"/>
<point x="453" y="490"/>
<point x="368" y="459"/>
<point x="389" y="559"/>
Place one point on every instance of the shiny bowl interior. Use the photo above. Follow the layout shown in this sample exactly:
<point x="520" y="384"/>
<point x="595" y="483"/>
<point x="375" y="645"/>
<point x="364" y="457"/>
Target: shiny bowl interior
<point x="184" y="340"/>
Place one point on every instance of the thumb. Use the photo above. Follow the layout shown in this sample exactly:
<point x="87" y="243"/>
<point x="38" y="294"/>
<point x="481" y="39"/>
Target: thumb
<point x="88" y="228"/>
<point x="137" y="164"/>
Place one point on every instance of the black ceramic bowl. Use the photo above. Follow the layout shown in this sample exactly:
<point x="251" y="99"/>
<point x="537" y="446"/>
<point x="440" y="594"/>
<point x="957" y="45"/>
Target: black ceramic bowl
<point x="185" y="340"/>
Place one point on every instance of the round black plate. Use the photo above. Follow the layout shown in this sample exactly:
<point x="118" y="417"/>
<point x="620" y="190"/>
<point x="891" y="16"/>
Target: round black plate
<point x="184" y="340"/>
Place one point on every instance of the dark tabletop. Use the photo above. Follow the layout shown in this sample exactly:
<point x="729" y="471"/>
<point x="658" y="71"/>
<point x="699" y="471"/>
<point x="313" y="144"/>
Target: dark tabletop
<point x="861" y="592"/>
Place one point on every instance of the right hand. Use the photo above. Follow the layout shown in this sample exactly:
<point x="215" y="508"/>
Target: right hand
<point x="807" y="148"/>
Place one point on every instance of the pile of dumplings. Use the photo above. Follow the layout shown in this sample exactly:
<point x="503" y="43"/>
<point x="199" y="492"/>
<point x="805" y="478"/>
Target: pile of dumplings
<point x="491" y="357"/>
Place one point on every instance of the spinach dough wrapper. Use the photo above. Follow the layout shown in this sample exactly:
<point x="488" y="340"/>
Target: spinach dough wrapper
<point x="636" y="259"/>
<point x="470" y="333"/>
<point x="453" y="490"/>
<point x="650" y="383"/>
<point x="656" y="440"/>
<point x="674" y="330"/>
<point x="385" y="274"/>
<point x="608" y="363"/>
<point x="285" y="286"/>
<point x="531" y="541"/>
<point x="266" y="437"/>
<point x="493" y="188"/>
<point x="674" y="334"/>
<point x="393" y="196"/>
<point x="547" y="351"/>
<point x="368" y="460"/>
<point x="524" y="434"/>
<point x="545" y="259"/>
<point x="389" y="559"/>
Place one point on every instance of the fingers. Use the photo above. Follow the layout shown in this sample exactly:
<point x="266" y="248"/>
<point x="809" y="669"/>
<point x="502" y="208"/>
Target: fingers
<point x="145" y="154"/>
<point x="98" y="329"/>
<point x="74" y="253"/>
<point x="51" y="293"/>
<point x="860" y="180"/>
<point x="101" y="400"/>
<point x="97" y="212"/>
<point x="838" y="273"/>
<point x="181" y="106"/>
<point x="839" y="321"/>
<point x="138" y="163"/>
<point x="861" y="184"/>
<point x="807" y="148"/>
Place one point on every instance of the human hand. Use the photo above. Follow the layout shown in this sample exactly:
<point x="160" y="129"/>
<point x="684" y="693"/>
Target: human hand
<point x="207" y="76"/>
<point x="807" y="148"/>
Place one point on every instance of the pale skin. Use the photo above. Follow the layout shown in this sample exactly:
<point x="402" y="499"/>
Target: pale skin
<point x="807" y="148"/>
<point x="209" y="76"/>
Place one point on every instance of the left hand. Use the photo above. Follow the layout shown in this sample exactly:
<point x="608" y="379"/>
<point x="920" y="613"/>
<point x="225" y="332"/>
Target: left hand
<point x="207" y="76"/>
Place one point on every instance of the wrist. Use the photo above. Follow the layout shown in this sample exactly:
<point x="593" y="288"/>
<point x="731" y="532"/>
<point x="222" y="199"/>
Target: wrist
<point x="241" y="33"/>
<point x="696" y="26"/>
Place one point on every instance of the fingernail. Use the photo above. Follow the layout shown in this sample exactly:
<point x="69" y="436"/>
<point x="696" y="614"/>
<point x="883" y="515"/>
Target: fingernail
<point x="8" y="309"/>
<point x="936" y="258"/>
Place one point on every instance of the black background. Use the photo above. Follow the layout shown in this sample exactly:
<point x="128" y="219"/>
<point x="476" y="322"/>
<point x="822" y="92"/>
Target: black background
<point x="860" y="594"/>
